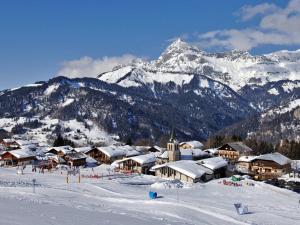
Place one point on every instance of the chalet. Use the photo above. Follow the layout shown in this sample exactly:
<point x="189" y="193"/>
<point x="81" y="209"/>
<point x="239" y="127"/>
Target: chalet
<point x="75" y="159"/>
<point x="109" y="154"/>
<point x="244" y="164"/>
<point x="270" y="166"/>
<point x="156" y="149"/>
<point x="9" y="144"/>
<point x="191" y="144"/>
<point x="32" y="144"/>
<point x="232" y="151"/>
<point x="139" y="164"/>
<point x="162" y="157"/>
<point x="55" y="160"/>
<point x="17" y="157"/>
<point x="217" y="165"/>
<point x="184" y="170"/>
<point x="61" y="150"/>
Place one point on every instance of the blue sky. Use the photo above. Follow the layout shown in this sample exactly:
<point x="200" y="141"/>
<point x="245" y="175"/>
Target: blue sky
<point x="39" y="38"/>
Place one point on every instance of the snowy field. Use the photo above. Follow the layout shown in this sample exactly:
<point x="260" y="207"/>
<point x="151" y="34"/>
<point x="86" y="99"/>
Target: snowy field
<point x="123" y="199"/>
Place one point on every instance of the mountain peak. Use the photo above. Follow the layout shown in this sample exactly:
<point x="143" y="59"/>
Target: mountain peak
<point x="178" y="43"/>
<point x="181" y="45"/>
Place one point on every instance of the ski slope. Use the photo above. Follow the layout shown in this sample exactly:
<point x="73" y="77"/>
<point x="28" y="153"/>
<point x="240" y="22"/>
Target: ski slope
<point x="123" y="199"/>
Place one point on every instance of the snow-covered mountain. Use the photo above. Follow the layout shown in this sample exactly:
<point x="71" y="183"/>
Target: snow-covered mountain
<point x="91" y="110"/>
<point x="200" y="93"/>
<point x="181" y="61"/>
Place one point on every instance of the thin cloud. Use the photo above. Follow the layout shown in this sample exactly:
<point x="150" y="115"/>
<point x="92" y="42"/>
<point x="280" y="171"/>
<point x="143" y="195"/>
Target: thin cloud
<point x="277" y="26"/>
<point x="89" y="67"/>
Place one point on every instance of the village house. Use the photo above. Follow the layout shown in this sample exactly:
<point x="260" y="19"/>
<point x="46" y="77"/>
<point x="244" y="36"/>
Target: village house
<point x="232" y="151"/>
<point x="17" y="157"/>
<point x="244" y="164"/>
<point x="9" y="144"/>
<point x="191" y="144"/>
<point x="61" y="150"/>
<point x="54" y="160"/>
<point x="67" y="155"/>
<point x="156" y="149"/>
<point x="108" y="155"/>
<point x="184" y="170"/>
<point x="270" y="166"/>
<point x="162" y="158"/>
<point x="75" y="159"/>
<point x="138" y="164"/>
<point x="217" y="165"/>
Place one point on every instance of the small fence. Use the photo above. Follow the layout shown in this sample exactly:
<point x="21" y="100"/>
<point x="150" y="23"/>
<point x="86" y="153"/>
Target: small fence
<point x="18" y="183"/>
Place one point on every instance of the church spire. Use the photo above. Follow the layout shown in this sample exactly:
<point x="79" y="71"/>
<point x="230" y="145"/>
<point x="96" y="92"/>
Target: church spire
<point x="173" y="135"/>
<point x="173" y="148"/>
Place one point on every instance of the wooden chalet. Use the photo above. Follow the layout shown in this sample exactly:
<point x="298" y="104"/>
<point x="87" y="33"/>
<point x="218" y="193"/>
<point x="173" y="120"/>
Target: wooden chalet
<point x="244" y="164"/>
<point x="109" y="154"/>
<point x="17" y="157"/>
<point x="270" y="166"/>
<point x="9" y="144"/>
<point x="138" y="164"/>
<point x="234" y="150"/>
<point x="75" y="159"/>
<point x="106" y="155"/>
<point x="61" y="150"/>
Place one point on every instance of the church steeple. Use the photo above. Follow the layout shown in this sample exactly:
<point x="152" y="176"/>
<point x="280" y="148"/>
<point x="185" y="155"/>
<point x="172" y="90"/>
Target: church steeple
<point x="173" y="147"/>
<point x="173" y="135"/>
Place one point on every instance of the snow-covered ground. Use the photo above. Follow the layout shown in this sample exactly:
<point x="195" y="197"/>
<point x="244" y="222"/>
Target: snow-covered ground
<point x="123" y="199"/>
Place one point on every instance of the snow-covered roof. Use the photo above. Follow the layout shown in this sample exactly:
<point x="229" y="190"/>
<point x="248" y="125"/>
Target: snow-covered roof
<point x="144" y="159"/>
<point x="142" y="148"/>
<point x="129" y="150"/>
<point x="112" y="151"/>
<point x="189" y="168"/>
<point x="246" y="158"/>
<point x="141" y="159"/>
<point x="8" y="140"/>
<point x="198" y="152"/>
<point x="275" y="157"/>
<point x="164" y="155"/>
<point x="83" y="149"/>
<point x="76" y="155"/>
<point x="64" y="149"/>
<point x="25" y="142"/>
<point x="160" y="149"/>
<point x="213" y="163"/>
<point x="90" y="160"/>
<point x="21" y="153"/>
<point x="238" y="146"/>
<point x="211" y="150"/>
<point x="193" y="144"/>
